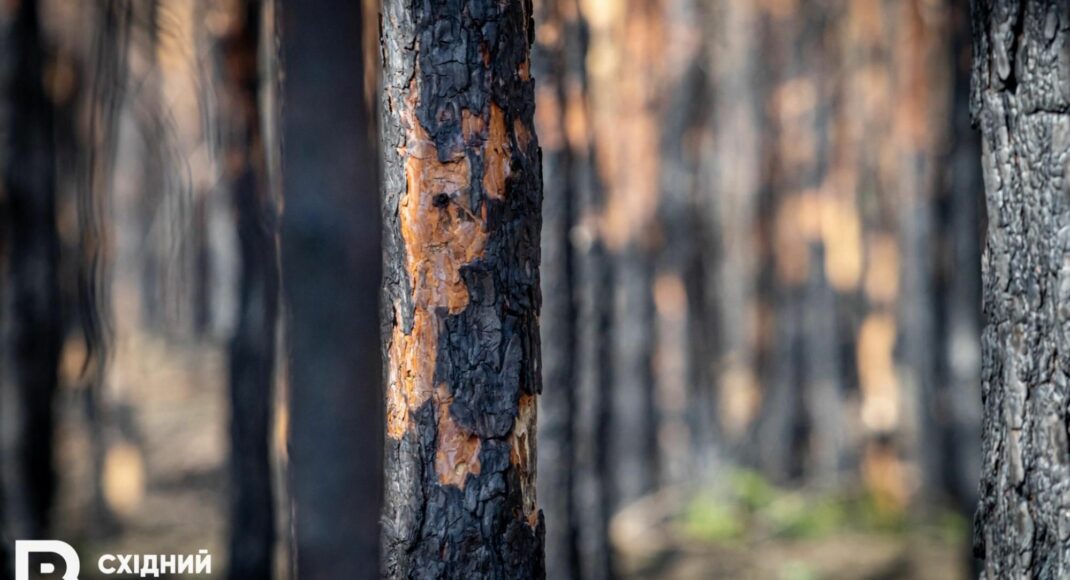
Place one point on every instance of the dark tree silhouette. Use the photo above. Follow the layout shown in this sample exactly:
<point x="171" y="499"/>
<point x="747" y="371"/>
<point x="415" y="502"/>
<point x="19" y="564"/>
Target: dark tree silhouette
<point x="31" y="296"/>
<point x="252" y="347"/>
<point x="331" y="261"/>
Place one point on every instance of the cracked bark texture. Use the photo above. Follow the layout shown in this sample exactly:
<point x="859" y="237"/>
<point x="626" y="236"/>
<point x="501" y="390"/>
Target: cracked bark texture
<point x="462" y="191"/>
<point x="1020" y="100"/>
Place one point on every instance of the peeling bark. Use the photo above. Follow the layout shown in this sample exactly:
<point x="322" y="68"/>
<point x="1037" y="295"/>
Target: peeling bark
<point x="1020" y="102"/>
<point x="461" y="201"/>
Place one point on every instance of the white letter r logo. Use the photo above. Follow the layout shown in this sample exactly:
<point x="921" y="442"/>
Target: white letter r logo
<point x="23" y="548"/>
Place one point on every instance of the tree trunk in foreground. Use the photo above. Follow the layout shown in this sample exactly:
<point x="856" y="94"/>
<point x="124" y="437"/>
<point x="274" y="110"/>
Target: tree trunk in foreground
<point x="330" y="259"/>
<point x="252" y="347"/>
<point x="461" y="201"/>
<point x="1020" y="101"/>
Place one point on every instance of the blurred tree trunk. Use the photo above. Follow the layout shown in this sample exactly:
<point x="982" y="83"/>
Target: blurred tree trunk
<point x="575" y="317"/>
<point x="557" y="47"/>
<point x="1020" y="102"/>
<point x="627" y="48"/>
<point x="331" y="261"/>
<point x="731" y="179"/>
<point x="683" y="452"/>
<point x="921" y="98"/>
<point x="31" y="296"/>
<point x="461" y="204"/>
<point x="252" y="347"/>
<point x="104" y="98"/>
<point x="962" y="218"/>
<point x="802" y="429"/>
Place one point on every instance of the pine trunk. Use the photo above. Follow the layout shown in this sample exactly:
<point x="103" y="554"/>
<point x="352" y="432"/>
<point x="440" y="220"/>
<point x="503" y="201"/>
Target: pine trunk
<point x="461" y="207"/>
<point x="1020" y="102"/>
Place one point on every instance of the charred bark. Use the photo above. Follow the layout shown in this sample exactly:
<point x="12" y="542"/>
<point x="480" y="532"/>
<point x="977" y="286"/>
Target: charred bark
<point x="31" y="307"/>
<point x="461" y="206"/>
<point x="252" y="346"/>
<point x="331" y="261"/>
<point x="1019" y="100"/>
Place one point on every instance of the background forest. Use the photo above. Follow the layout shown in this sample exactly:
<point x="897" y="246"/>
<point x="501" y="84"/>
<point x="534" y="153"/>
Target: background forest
<point x="760" y="328"/>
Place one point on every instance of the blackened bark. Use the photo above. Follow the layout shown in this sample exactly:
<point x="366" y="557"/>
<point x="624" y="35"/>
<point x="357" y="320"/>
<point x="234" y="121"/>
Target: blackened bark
<point x="461" y="205"/>
<point x="331" y="261"/>
<point x="1019" y="100"/>
<point x="31" y="307"/>
<point x="252" y="347"/>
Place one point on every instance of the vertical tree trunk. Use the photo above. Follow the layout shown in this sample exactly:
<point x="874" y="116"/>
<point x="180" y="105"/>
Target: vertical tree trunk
<point x="1020" y="102"/>
<point x="461" y="206"/>
<point x="680" y="453"/>
<point x="804" y="402"/>
<point x="575" y="316"/>
<point x="625" y="108"/>
<point x="31" y="306"/>
<point x="331" y="261"/>
<point x="252" y="347"/>
<point x="555" y="45"/>
<point x="730" y="187"/>
<point x="960" y="294"/>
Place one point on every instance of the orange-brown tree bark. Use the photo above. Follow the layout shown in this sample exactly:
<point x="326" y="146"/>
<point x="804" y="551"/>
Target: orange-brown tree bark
<point x="461" y="210"/>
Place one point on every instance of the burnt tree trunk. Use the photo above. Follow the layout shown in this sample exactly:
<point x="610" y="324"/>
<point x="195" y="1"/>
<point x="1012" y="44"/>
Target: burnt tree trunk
<point x="252" y="346"/>
<point x="31" y="306"/>
<point x="1020" y="102"/>
<point x="461" y="205"/>
<point x="331" y="261"/>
